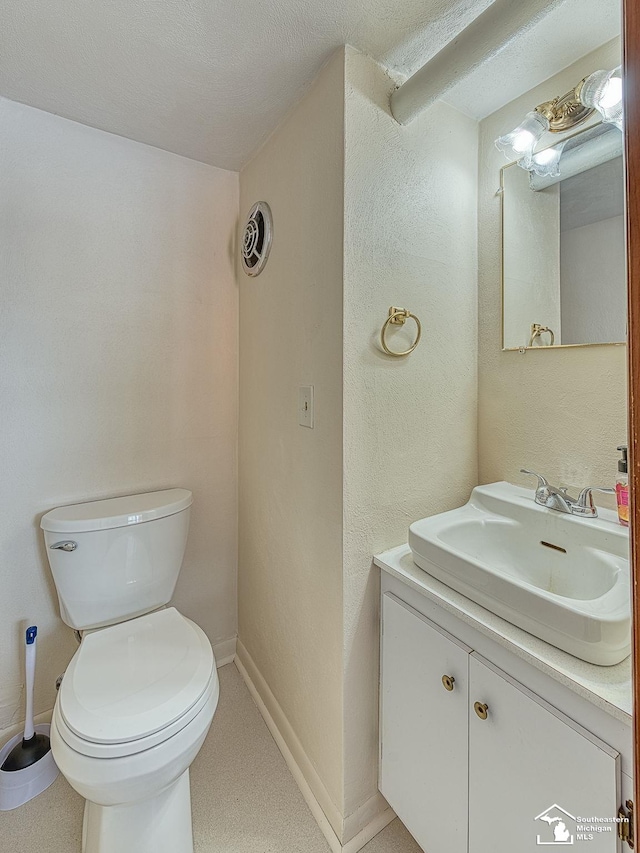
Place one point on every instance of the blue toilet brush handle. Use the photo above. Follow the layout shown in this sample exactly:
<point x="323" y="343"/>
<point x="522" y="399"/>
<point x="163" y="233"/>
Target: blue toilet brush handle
<point x="30" y="670"/>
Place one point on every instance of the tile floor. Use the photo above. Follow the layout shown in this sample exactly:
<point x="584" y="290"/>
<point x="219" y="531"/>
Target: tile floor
<point x="244" y="798"/>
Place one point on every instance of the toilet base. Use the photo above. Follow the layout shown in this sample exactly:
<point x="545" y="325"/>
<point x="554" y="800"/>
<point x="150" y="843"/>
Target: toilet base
<point x="159" y="825"/>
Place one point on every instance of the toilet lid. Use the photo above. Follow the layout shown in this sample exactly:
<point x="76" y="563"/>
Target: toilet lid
<point x="130" y="680"/>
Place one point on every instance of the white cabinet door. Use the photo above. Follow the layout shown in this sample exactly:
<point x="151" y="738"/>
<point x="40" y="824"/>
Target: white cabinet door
<point x="533" y="773"/>
<point x="424" y="728"/>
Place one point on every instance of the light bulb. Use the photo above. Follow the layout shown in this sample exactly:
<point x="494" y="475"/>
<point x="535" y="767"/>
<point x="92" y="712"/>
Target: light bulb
<point x="602" y="91"/>
<point x="612" y="93"/>
<point x="545" y="163"/>
<point x="522" y="141"/>
<point x="544" y="157"/>
<point x="519" y="144"/>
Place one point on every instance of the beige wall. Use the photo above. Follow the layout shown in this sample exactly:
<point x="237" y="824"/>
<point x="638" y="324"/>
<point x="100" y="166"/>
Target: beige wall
<point x="394" y="439"/>
<point x="118" y="368"/>
<point x="561" y="412"/>
<point x="290" y="540"/>
<point x="410" y="423"/>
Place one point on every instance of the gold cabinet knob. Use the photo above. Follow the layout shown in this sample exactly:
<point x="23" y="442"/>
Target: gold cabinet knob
<point x="481" y="710"/>
<point x="448" y="681"/>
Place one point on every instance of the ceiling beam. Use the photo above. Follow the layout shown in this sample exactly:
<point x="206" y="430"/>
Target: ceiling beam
<point x="484" y="38"/>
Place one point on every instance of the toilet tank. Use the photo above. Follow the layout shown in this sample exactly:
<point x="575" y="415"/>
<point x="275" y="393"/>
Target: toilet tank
<point x="115" y="559"/>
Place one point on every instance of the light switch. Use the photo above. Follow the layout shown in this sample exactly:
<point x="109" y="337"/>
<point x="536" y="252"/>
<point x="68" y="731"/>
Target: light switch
<point x="305" y="406"/>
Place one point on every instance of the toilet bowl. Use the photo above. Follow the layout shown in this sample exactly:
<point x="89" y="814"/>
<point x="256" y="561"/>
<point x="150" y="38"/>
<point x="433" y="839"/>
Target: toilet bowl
<point x="140" y="693"/>
<point x="132" y="712"/>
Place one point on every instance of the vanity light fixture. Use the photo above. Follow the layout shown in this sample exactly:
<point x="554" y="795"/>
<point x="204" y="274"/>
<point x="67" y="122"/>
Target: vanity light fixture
<point x="600" y="91"/>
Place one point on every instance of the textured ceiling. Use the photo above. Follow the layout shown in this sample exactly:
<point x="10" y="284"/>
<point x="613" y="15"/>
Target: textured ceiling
<point x="210" y="79"/>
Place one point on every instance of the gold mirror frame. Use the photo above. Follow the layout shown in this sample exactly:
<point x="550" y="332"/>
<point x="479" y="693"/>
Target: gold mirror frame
<point x="525" y="349"/>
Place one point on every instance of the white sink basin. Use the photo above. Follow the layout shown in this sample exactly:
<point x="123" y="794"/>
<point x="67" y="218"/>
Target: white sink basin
<point x="562" y="578"/>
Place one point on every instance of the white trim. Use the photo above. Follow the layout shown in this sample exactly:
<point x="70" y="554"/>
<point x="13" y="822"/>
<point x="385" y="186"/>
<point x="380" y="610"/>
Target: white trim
<point x="366" y="822"/>
<point x="225" y="652"/>
<point x="375" y="825"/>
<point x="375" y="811"/>
<point x="315" y="794"/>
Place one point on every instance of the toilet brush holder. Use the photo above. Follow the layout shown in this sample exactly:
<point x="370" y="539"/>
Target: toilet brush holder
<point x="19" y="786"/>
<point x="26" y="762"/>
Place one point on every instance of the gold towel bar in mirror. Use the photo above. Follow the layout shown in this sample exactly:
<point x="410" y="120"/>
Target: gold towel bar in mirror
<point x="398" y="317"/>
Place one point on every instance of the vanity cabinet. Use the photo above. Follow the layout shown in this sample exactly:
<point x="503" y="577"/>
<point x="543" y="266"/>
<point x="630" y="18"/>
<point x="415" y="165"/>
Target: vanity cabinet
<point x="471" y="759"/>
<point x="424" y="730"/>
<point x="526" y="756"/>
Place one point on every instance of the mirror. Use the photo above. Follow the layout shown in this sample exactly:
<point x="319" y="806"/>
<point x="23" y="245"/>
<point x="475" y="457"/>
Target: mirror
<point x="563" y="247"/>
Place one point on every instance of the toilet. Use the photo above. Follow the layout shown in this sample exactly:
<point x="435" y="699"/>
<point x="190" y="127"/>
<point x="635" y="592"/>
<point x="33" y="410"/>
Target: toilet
<point x="139" y="695"/>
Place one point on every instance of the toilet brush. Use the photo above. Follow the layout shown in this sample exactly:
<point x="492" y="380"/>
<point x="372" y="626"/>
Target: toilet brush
<point x="27" y="766"/>
<point x="33" y="746"/>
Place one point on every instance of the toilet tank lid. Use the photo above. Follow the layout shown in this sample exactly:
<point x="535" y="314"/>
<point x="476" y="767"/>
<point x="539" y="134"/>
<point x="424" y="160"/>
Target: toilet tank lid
<point x="116" y="512"/>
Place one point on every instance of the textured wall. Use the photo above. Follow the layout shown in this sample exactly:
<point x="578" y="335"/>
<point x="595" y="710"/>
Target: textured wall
<point x="118" y="370"/>
<point x="290" y="537"/>
<point x="563" y="411"/>
<point x="409" y="424"/>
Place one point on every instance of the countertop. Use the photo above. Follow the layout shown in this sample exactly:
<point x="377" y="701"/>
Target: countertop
<point x="608" y="687"/>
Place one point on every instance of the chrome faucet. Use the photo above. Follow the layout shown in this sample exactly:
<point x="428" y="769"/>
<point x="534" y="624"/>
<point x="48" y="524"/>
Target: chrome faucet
<point x="558" y="499"/>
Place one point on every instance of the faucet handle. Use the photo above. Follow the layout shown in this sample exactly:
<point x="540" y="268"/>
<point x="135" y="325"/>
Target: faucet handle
<point x="542" y="481"/>
<point x="585" y="498"/>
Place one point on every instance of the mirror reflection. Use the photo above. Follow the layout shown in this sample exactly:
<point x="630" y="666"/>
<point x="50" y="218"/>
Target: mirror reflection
<point x="563" y="244"/>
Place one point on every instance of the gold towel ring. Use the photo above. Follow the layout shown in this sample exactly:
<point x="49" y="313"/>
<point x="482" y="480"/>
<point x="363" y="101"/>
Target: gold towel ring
<point x="398" y="317"/>
<point x="537" y="330"/>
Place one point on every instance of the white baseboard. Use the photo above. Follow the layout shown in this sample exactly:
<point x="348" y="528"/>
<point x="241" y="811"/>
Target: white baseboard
<point x="366" y="822"/>
<point x="225" y="652"/>
<point x="375" y="825"/>
<point x="376" y="813"/>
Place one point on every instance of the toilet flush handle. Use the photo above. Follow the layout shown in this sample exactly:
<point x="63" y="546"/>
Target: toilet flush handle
<point x="68" y="545"/>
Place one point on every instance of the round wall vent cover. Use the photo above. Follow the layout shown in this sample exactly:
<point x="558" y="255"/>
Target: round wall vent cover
<point x="256" y="238"/>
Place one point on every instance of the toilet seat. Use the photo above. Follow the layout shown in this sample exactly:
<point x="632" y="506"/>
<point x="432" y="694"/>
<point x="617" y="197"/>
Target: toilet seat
<point x="208" y="700"/>
<point x="135" y="684"/>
